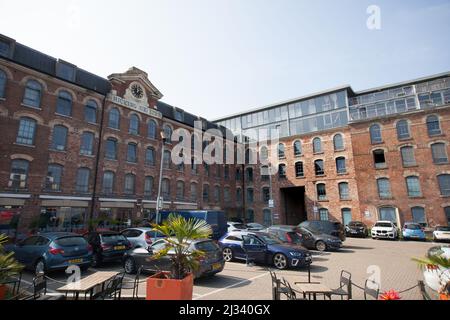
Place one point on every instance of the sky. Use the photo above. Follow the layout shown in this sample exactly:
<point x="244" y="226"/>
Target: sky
<point x="218" y="57"/>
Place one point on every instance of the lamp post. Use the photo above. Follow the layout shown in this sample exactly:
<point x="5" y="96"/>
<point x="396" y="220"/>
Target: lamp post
<point x="158" y="202"/>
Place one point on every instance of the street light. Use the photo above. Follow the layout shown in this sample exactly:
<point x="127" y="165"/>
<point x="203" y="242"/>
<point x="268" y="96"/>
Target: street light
<point x="158" y="202"/>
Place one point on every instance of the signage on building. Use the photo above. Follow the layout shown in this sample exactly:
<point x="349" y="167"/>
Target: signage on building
<point x="271" y="203"/>
<point x="136" y="107"/>
<point x="367" y="213"/>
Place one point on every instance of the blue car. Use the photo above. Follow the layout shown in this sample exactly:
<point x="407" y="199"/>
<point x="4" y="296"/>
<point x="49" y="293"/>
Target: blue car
<point x="413" y="231"/>
<point x="52" y="251"/>
<point x="263" y="248"/>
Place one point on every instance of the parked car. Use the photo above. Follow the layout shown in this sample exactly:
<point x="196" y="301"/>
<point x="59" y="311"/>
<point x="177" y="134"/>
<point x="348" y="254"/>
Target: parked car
<point x="356" y="229"/>
<point x="413" y="231"/>
<point x="236" y="226"/>
<point x="385" y="230"/>
<point x="141" y="237"/>
<point x="332" y="228"/>
<point x="315" y="240"/>
<point x="287" y="234"/>
<point x="441" y="233"/>
<point x="263" y="248"/>
<point x="52" y="251"/>
<point x="107" y="246"/>
<point x="255" y="226"/>
<point x="210" y="264"/>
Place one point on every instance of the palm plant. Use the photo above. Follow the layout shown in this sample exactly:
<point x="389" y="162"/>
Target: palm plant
<point x="9" y="266"/>
<point x="439" y="263"/>
<point x="179" y="231"/>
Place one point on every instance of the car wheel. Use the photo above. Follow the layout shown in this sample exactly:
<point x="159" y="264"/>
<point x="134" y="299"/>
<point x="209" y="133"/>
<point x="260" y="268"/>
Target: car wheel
<point x="39" y="267"/>
<point x="227" y="254"/>
<point x="96" y="260"/>
<point x="280" y="261"/>
<point x="321" y="246"/>
<point x="129" y="265"/>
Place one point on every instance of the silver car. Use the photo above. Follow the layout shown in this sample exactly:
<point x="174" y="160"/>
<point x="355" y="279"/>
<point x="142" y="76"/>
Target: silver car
<point x="141" y="237"/>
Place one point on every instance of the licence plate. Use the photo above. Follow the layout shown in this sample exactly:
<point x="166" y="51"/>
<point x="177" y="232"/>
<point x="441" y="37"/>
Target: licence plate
<point x="75" y="261"/>
<point x="216" y="266"/>
<point x="119" y="248"/>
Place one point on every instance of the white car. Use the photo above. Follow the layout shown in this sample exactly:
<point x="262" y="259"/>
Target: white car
<point x="441" y="233"/>
<point x="236" y="226"/>
<point x="384" y="230"/>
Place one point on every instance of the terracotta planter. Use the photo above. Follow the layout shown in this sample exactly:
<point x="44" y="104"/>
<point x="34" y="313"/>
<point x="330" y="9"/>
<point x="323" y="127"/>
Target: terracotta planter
<point x="444" y="296"/>
<point x="160" y="287"/>
<point x="2" y="291"/>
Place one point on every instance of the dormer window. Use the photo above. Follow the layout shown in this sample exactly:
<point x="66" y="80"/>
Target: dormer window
<point x="179" y="115"/>
<point x="6" y="48"/>
<point x="65" y="71"/>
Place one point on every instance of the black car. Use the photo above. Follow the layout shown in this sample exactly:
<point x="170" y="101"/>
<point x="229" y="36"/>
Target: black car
<point x="107" y="246"/>
<point x="332" y="228"/>
<point x="287" y="234"/>
<point x="356" y="229"/>
<point x="319" y="241"/>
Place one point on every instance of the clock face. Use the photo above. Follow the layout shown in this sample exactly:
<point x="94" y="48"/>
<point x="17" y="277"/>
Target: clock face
<point x="137" y="91"/>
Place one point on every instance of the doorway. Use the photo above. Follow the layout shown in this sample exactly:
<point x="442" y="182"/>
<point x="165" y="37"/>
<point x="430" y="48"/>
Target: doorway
<point x="293" y="203"/>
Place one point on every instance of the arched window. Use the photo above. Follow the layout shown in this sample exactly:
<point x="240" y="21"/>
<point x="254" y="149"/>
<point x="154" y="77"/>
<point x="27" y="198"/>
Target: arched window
<point x="64" y="103"/>
<point x="167" y="133"/>
<point x="439" y="153"/>
<point x="346" y="216"/>
<point x="27" y="131"/>
<point x="148" y="186"/>
<point x="53" y="179"/>
<point x="250" y="195"/>
<point x="433" y="125"/>
<point x="130" y="184"/>
<point x="165" y="189"/>
<point x="403" y="130"/>
<point x="3" y="80"/>
<point x="317" y="145"/>
<point x="413" y="186"/>
<point x="321" y="192"/>
<point x="205" y="193"/>
<point x="408" y="157"/>
<point x="82" y="182"/>
<point x="226" y="194"/>
<point x="267" y="217"/>
<point x="150" y="156"/>
<point x="19" y="174"/>
<point x="114" y="118"/>
<point x="167" y="159"/>
<point x="111" y="149"/>
<point x="281" y="151"/>
<point x="59" y="139"/>
<point x="319" y="167"/>
<point x="217" y="194"/>
<point x="249" y="174"/>
<point x="388" y="214"/>
<point x="90" y="111"/>
<point x="132" y="153"/>
<point x="87" y="144"/>
<point x="297" y="148"/>
<point x="33" y="94"/>
<point x="323" y="214"/>
<point x="134" y="125"/>
<point x="418" y="215"/>
<point x="239" y="195"/>
<point x="250" y="216"/>
<point x="108" y="182"/>
<point x="379" y="159"/>
<point x="194" y="192"/>
<point x="344" y="192"/>
<point x="264" y="154"/>
<point x="375" y="134"/>
<point x="384" y="188"/>
<point x="299" y="170"/>
<point x="341" y="166"/>
<point x="282" y="171"/>
<point x="338" y="142"/>
<point x="444" y="184"/>
<point x="151" y="129"/>
<point x="180" y="191"/>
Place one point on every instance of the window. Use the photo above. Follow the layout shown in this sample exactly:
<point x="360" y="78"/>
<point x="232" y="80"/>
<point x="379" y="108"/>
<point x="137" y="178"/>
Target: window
<point x="134" y="125"/>
<point x="344" y="192"/>
<point x="413" y="187"/>
<point x="384" y="188"/>
<point x="267" y="217"/>
<point x="418" y="214"/>
<point x="433" y="125"/>
<point x="226" y="195"/>
<point x="297" y="148"/>
<point x="132" y="153"/>
<point x="249" y="174"/>
<point x="150" y="156"/>
<point x="375" y="134"/>
<point x="108" y="182"/>
<point x="323" y="214"/>
<point x="266" y="194"/>
<point x="238" y="174"/>
<point x="217" y="194"/>
<point x="90" y="111"/>
<point x="319" y="167"/>
<point x="19" y="174"/>
<point x="444" y="184"/>
<point x="447" y="214"/>
<point x="167" y="133"/>
<point x="346" y="216"/>
<point x="65" y="71"/>
<point x="439" y="153"/>
<point x="206" y="169"/>
<point x="403" y="130"/>
<point x="114" y="118"/>
<point x="388" y="214"/>
<point x="226" y="172"/>
<point x="239" y="195"/>
<point x="250" y="196"/>
<point x="194" y="167"/>
<point x="299" y="171"/>
<point x="3" y="80"/>
<point x="265" y="173"/>
<point x="341" y="165"/>
<point x="167" y="159"/>
<point x="165" y="188"/>
<point x="33" y="93"/>
<point x="321" y="192"/>
<point x="87" y="143"/>
<point x="338" y="142"/>
<point x="282" y="171"/>
<point x="179" y="115"/>
<point x="317" y="145"/>
<point x="27" y="131"/>
<point x="281" y="151"/>
<point x="193" y="192"/>
<point x="53" y="179"/>
<point x="408" y="156"/>
<point x="64" y="104"/>
<point x="151" y="129"/>
<point x="111" y="149"/>
<point x="130" y="180"/>
<point x="82" y="183"/>
<point x="148" y="186"/>
<point x="5" y="48"/>
<point x="250" y="216"/>
<point x="180" y="190"/>
<point x="59" y="139"/>
<point x="205" y="193"/>
<point x="379" y="159"/>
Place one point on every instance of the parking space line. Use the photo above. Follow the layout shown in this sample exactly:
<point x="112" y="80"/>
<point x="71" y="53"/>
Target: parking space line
<point x="231" y="286"/>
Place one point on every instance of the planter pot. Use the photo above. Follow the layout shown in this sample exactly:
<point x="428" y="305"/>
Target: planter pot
<point x="2" y="291"/>
<point x="444" y="296"/>
<point x="435" y="279"/>
<point x="160" y="287"/>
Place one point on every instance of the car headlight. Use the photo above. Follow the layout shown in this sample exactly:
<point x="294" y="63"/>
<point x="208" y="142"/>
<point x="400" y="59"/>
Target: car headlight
<point x="296" y="254"/>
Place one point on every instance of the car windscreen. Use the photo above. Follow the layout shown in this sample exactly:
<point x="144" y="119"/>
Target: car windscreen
<point x="356" y="224"/>
<point x="70" y="241"/>
<point x="383" y="225"/>
<point x="206" y="246"/>
<point x="413" y="227"/>
<point x="112" y="238"/>
<point x="155" y="234"/>
<point x="240" y="226"/>
<point x="295" y="238"/>
<point x="269" y="239"/>
<point x="443" y="229"/>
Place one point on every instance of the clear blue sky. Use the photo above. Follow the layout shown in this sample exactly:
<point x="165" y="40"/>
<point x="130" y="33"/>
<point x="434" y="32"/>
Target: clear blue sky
<point x="217" y="57"/>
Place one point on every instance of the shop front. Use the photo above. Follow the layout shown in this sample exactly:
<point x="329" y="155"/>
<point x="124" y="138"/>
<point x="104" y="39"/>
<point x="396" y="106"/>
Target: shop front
<point x="11" y="206"/>
<point x="116" y="214"/>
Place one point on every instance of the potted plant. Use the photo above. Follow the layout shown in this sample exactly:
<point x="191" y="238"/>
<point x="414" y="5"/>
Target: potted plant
<point x="390" y="295"/>
<point x="177" y="284"/>
<point x="9" y="267"/>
